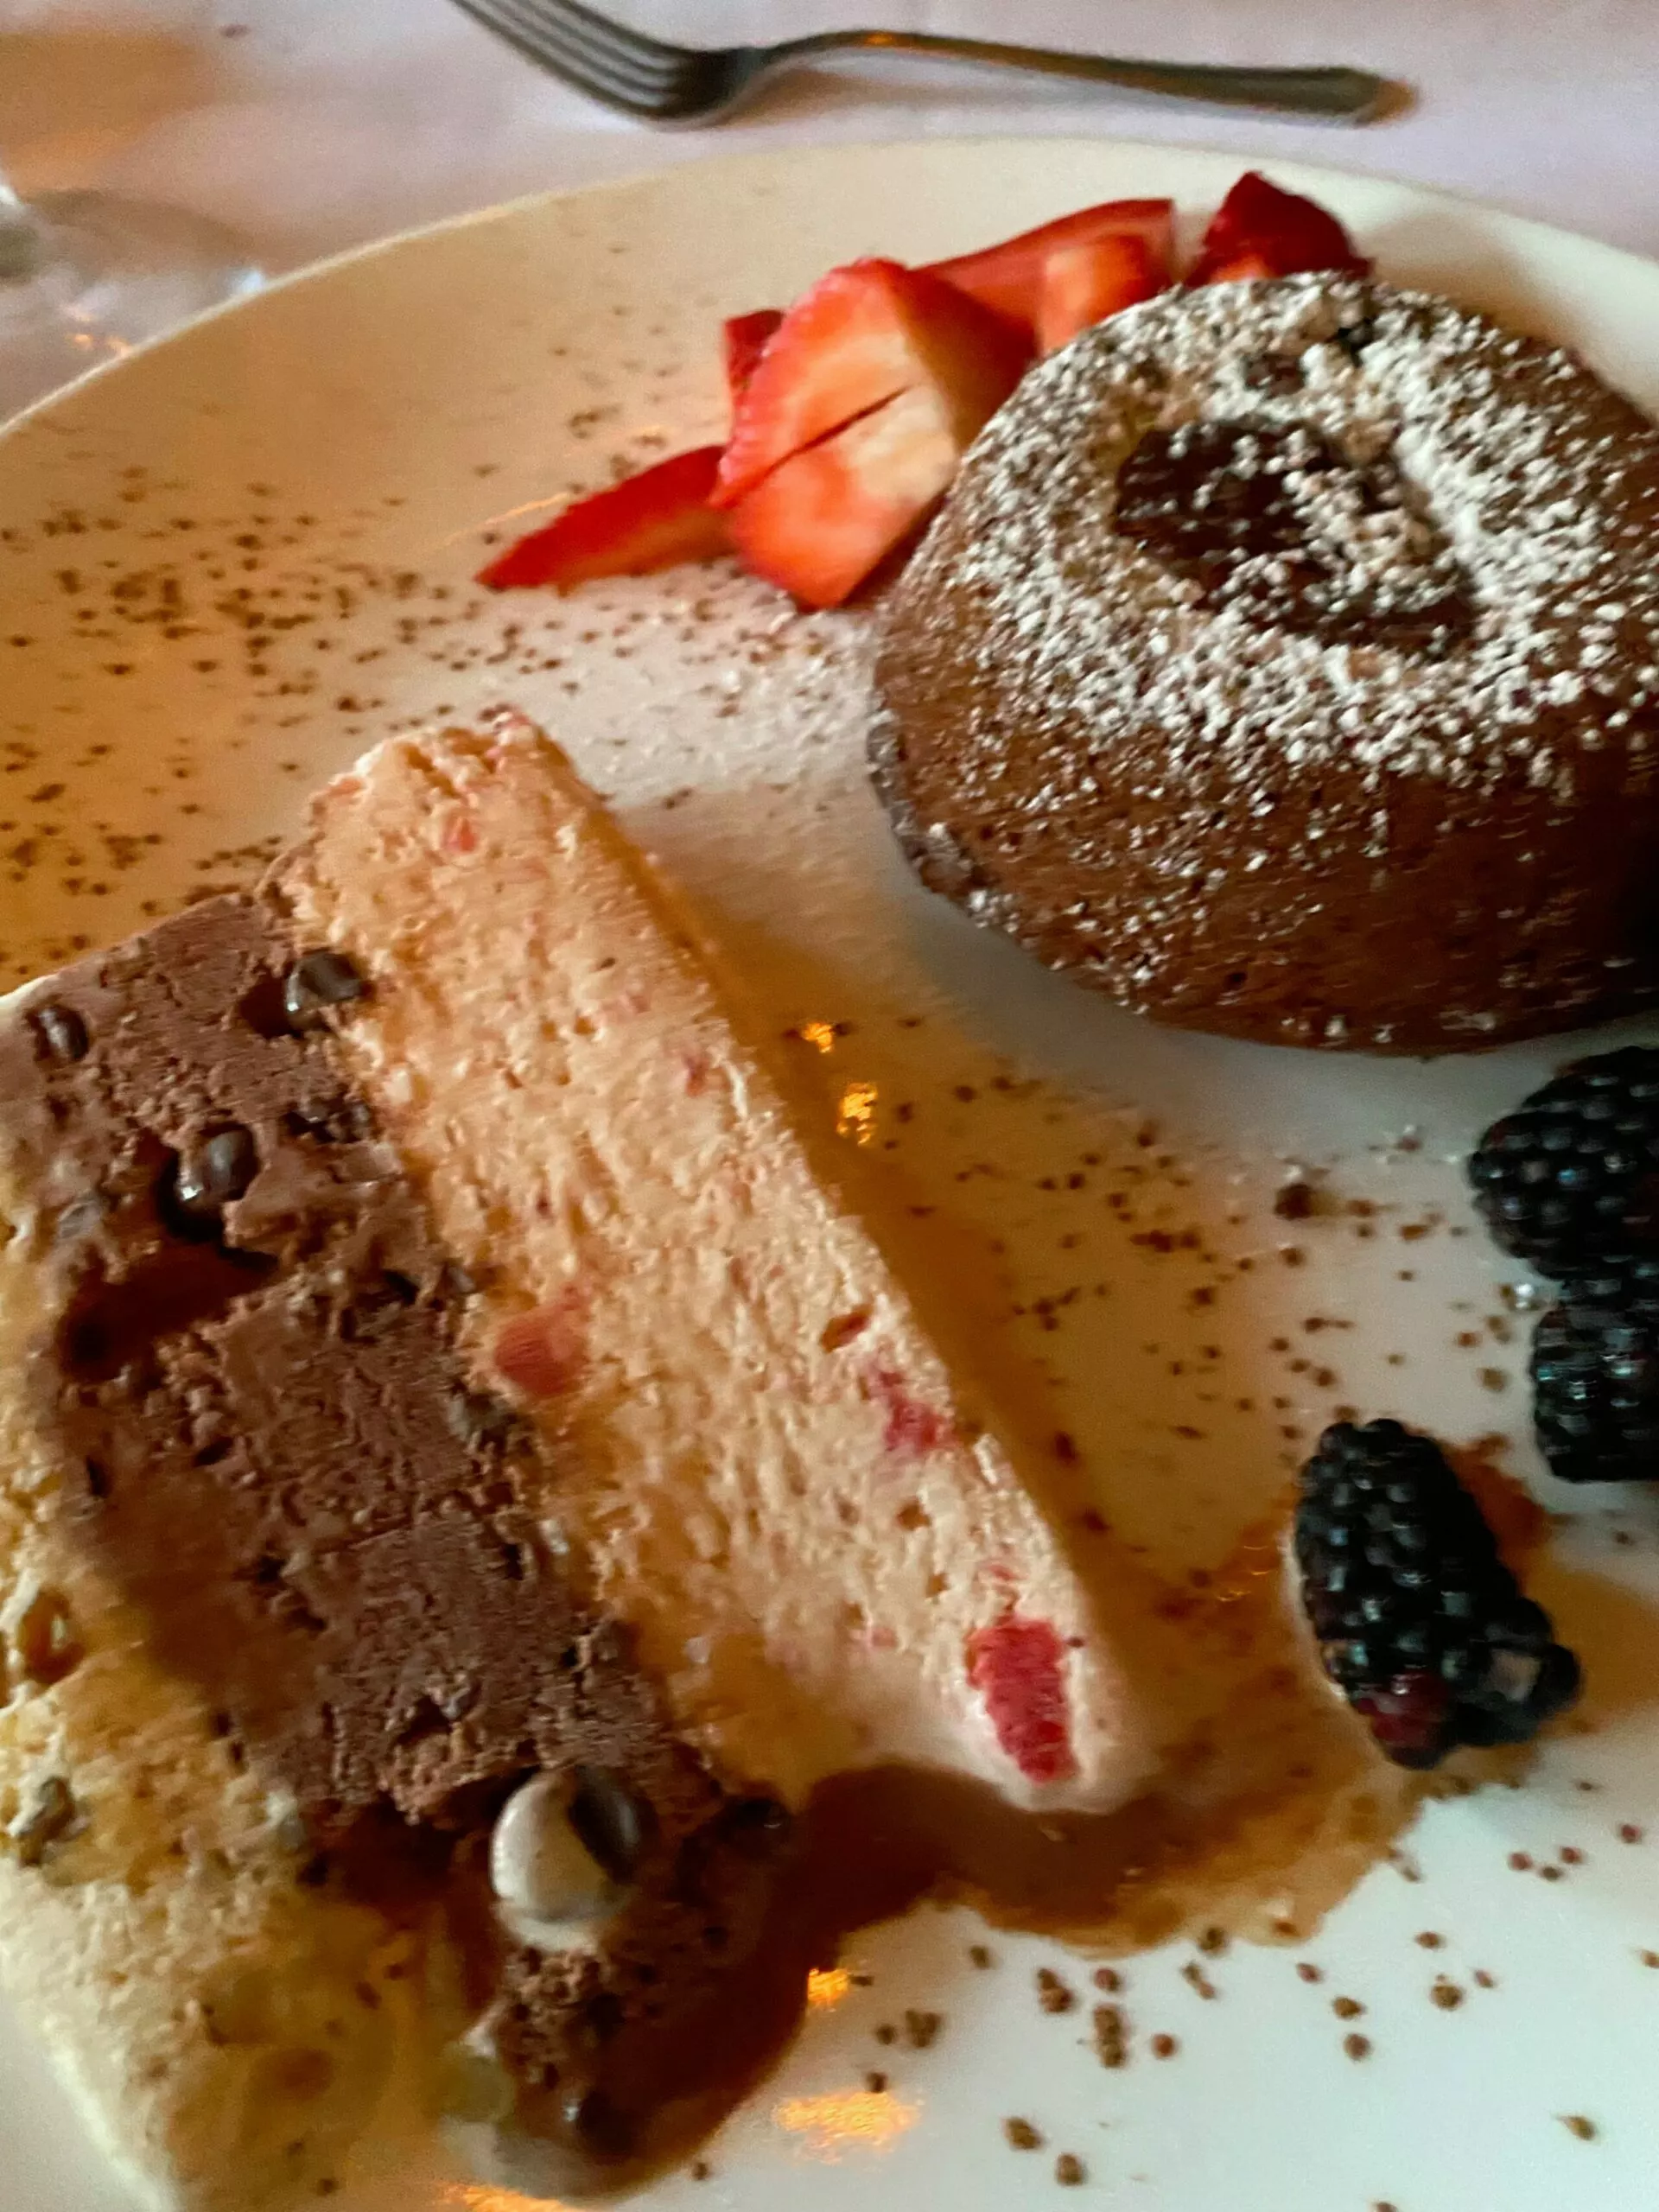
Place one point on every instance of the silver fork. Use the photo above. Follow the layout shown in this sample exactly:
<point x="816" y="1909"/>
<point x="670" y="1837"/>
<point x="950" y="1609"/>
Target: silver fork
<point x="648" y="77"/>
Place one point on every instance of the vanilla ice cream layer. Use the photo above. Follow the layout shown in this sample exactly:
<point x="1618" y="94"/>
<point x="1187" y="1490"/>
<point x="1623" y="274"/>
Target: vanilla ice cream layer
<point x="825" y="1554"/>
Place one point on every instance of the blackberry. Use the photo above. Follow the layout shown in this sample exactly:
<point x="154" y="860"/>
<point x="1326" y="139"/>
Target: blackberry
<point x="1419" y="1623"/>
<point x="1627" y="1281"/>
<point x="1595" y="1383"/>
<point x="1570" y="1178"/>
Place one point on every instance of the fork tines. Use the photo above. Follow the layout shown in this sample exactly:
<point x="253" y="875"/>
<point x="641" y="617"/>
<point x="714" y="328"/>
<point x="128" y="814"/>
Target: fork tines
<point x="625" y="68"/>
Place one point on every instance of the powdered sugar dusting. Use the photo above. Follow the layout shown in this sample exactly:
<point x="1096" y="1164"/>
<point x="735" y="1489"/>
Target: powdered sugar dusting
<point x="1135" y="694"/>
<point x="1526" y="491"/>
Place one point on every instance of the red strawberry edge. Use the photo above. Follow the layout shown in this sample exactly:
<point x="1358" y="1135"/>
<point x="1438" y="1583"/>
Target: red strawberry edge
<point x="1017" y="1667"/>
<point x="1086" y="283"/>
<point x="1261" y="230"/>
<point x="1009" y="277"/>
<point x="652" y="520"/>
<point x="864" y="333"/>
<point x="743" y="341"/>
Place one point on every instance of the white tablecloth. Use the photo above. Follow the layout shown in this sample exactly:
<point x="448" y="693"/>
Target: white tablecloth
<point x="311" y="125"/>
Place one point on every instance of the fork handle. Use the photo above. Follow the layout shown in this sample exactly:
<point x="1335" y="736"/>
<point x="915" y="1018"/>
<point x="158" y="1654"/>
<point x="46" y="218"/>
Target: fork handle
<point x="1340" y="95"/>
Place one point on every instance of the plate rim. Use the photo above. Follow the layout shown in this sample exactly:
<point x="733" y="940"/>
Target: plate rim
<point x="1303" y="176"/>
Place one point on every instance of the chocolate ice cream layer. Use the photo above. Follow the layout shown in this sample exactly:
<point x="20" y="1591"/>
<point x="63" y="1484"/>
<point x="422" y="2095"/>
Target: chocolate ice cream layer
<point x="249" y="1360"/>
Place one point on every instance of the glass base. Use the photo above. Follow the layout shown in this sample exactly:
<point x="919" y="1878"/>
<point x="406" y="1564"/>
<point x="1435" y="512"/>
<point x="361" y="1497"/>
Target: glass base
<point x="85" y="275"/>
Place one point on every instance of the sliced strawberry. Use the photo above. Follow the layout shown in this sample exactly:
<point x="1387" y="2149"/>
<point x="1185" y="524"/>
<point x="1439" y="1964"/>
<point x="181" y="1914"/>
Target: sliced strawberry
<point x="1009" y="277"/>
<point x="745" y="340"/>
<point x="653" y="520"/>
<point x="1082" y="284"/>
<point x="822" y="520"/>
<point x="862" y="335"/>
<point x="1258" y="222"/>
<point x="1241" y="270"/>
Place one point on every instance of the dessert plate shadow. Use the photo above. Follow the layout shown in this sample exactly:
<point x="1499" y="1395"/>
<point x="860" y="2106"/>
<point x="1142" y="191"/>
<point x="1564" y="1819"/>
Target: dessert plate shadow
<point x="235" y="561"/>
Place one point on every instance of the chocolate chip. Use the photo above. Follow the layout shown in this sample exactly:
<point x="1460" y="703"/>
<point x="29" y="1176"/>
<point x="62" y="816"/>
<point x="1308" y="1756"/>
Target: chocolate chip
<point x="611" y="1821"/>
<point x="261" y="1007"/>
<point x="754" y="1824"/>
<point x="214" y="1172"/>
<point x="316" y="980"/>
<point x="51" y="1818"/>
<point x="60" y="1032"/>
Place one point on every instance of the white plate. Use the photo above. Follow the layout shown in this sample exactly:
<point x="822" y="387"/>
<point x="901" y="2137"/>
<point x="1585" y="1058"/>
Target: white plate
<point x="234" y="561"/>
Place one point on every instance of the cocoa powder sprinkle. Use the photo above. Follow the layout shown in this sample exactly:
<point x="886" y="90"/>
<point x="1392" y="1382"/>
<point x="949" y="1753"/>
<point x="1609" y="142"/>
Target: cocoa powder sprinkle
<point x="1111" y="2035"/>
